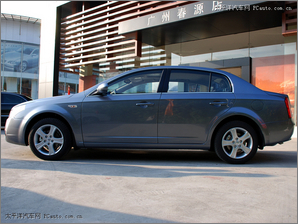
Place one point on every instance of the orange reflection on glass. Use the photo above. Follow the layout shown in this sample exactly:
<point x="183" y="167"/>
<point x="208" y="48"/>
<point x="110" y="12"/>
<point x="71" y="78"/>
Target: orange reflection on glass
<point x="275" y="74"/>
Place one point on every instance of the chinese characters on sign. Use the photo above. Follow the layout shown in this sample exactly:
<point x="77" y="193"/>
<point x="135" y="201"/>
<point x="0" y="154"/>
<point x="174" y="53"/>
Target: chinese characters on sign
<point x="149" y="19"/>
<point x="181" y="12"/>
<point x="198" y="9"/>
<point x="219" y="6"/>
<point x="184" y="12"/>
<point x="166" y="16"/>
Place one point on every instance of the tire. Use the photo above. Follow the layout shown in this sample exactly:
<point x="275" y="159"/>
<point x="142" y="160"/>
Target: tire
<point x="23" y="66"/>
<point x="236" y="142"/>
<point x="50" y="139"/>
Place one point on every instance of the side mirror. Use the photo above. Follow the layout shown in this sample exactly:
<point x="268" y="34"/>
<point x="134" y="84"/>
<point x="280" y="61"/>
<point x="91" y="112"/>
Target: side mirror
<point x="102" y="89"/>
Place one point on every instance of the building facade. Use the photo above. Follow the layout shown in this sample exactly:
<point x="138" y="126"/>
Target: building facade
<point x="255" y="40"/>
<point x="20" y="43"/>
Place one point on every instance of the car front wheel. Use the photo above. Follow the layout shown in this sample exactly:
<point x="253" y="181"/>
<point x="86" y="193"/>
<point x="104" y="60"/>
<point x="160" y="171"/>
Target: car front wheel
<point x="236" y="142"/>
<point x="50" y="139"/>
<point x="23" y="66"/>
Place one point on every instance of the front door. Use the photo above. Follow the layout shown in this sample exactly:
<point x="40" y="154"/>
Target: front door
<point x="128" y="114"/>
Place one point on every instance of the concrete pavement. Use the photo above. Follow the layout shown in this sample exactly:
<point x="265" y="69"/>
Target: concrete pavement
<point x="148" y="187"/>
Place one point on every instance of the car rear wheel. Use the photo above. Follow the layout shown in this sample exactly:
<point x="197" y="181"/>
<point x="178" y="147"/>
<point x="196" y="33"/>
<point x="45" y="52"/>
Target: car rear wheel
<point x="236" y="142"/>
<point x="50" y="139"/>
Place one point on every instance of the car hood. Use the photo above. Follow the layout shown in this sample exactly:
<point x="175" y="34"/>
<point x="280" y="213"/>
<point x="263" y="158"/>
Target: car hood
<point x="13" y="56"/>
<point x="53" y="99"/>
<point x="47" y="101"/>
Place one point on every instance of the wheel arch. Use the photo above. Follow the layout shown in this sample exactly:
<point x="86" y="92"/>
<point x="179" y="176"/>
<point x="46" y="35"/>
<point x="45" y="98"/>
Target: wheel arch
<point x="245" y="119"/>
<point x="47" y="115"/>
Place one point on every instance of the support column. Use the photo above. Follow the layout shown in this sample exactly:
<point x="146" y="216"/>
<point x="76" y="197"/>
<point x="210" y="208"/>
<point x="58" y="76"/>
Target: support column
<point x="34" y="89"/>
<point x="295" y="102"/>
<point x="12" y="84"/>
<point x="87" y="80"/>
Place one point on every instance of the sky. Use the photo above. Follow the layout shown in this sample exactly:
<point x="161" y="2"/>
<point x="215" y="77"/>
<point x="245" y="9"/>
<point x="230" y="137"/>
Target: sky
<point x="27" y="8"/>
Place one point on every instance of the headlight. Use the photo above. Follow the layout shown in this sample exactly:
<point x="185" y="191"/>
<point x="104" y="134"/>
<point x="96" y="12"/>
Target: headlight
<point x="12" y="62"/>
<point x="15" y="111"/>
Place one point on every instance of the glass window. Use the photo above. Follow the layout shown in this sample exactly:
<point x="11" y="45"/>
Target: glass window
<point x="30" y="60"/>
<point x="188" y="81"/>
<point x="141" y="82"/>
<point x="11" y="56"/>
<point x="19" y="68"/>
<point x="63" y="88"/>
<point x="26" y="87"/>
<point x="239" y="53"/>
<point x="219" y="83"/>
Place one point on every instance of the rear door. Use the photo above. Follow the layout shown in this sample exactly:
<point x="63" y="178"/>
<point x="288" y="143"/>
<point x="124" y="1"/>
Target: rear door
<point x="191" y="104"/>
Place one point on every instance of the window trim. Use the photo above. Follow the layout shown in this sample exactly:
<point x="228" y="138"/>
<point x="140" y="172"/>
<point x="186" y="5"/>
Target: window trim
<point x="166" y="85"/>
<point x="135" y="73"/>
<point x="159" y="88"/>
<point x="165" y="77"/>
<point x="227" y="79"/>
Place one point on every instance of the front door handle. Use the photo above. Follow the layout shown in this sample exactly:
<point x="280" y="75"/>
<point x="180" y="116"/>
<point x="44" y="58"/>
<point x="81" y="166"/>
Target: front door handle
<point x="145" y="104"/>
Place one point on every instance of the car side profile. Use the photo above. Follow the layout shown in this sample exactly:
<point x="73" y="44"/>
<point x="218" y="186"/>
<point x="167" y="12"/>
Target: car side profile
<point x="166" y="107"/>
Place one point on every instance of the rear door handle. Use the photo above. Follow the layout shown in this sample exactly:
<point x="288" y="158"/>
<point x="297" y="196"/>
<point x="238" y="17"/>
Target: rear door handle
<point x="145" y="104"/>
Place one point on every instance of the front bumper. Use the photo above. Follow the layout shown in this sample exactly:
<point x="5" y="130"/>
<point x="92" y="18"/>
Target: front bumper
<point x="13" y="131"/>
<point x="9" y="66"/>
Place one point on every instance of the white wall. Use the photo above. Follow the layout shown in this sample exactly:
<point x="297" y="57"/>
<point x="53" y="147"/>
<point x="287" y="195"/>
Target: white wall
<point x="20" y="31"/>
<point x="46" y="11"/>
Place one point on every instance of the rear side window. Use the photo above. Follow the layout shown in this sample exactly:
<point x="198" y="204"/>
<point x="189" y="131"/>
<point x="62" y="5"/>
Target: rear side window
<point x="220" y="83"/>
<point x="5" y="98"/>
<point x="188" y="81"/>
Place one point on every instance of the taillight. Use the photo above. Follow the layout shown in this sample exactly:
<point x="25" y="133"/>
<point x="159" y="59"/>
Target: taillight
<point x="288" y="105"/>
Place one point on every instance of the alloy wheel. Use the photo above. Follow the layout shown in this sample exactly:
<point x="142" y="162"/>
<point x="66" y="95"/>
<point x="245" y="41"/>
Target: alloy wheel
<point x="237" y="143"/>
<point x="48" y="139"/>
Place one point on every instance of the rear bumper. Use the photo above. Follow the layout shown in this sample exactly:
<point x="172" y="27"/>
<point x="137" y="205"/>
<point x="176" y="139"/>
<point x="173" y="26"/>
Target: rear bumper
<point x="294" y="135"/>
<point x="279" y="132"/>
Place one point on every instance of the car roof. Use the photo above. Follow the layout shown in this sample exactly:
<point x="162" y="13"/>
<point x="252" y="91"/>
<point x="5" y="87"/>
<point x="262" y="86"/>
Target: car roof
<point x="239" y="85"/>
<point x="232" y="77"/>
<point x="9" y="93"/>
<point x="16" y="94"/>
<point x="169" y="67"/>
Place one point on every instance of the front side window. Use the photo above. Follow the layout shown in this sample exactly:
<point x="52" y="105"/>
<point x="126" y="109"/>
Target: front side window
<point x="188" y="81"/>
<point x="137" y="83"/>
